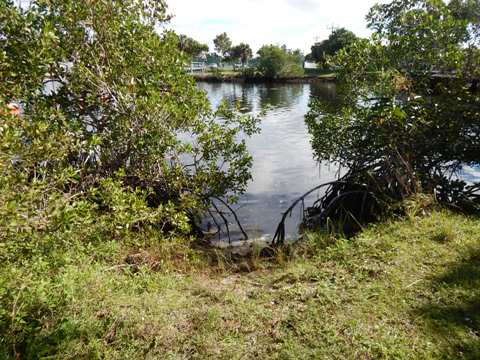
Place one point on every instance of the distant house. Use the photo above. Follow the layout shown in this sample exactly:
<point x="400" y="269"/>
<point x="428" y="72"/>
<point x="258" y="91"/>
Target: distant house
<point x="310" y="65"/>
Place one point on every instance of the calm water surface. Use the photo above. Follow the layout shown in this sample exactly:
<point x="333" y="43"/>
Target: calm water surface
<point x="284" y="167"/>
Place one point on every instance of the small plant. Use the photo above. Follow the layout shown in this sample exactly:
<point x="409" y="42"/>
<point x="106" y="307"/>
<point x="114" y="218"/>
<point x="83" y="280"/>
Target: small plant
<point x="445" y="234"/>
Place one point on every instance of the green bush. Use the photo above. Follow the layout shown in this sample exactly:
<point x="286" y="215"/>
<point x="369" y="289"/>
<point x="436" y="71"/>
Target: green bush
<point x="406" y="120"/>
<point x="216" y="72"/>
<point x="107" y="147"/>
<point x="277" y="62"/>
<point x="103" y="96"/>
<point x="292" y="70"/>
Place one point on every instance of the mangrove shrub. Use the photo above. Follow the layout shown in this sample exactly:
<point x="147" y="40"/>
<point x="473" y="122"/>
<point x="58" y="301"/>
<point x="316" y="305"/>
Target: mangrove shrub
<point x="277" y="62"/>
<point x="105" y="113"/>
<point x="408" y="115"/>
<point x="106" y="143"/>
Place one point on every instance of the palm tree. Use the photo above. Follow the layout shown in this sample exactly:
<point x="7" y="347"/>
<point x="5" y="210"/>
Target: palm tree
<point x="242" y="52"/>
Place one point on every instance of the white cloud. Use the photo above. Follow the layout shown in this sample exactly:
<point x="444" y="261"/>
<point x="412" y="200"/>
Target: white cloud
<point x="305" y="5"/>
<point x="296" y="23"/>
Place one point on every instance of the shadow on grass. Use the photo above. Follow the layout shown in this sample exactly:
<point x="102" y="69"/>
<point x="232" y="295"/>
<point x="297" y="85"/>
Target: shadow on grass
<point x="454" y="312"/>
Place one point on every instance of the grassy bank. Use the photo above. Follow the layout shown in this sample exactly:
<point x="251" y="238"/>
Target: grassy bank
<point x="403" y="289"/>
<point x="311" y="75"/>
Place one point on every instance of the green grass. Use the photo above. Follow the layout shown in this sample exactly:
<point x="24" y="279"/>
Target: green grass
<point x="321" y="73"/>
<point x="406" y="289"/>
<point x="227" y="73"/>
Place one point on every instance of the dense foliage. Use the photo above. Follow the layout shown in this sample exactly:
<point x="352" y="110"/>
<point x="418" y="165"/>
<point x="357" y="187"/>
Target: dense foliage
<point x="223" y="44"/>
<point x="103" y="96"/>
<point x="409" y="115"/>
<point x="242" y="52"/>
<point x="276" y="62"/>
<point x="339" y="39"/>
<point x="104" y="138"/>
<point x="191" y="47"/>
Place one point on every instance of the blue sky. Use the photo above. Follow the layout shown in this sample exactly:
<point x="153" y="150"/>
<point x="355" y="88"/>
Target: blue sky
<point x="296" y="23"/>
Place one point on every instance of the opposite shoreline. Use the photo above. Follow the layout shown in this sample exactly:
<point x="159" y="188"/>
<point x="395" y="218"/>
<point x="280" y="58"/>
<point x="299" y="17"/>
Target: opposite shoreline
<point x="261" y="80"/>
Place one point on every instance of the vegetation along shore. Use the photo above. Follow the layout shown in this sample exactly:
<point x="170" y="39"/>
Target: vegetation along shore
<point x="119" y="174"/>
<point x="239" y="77"/>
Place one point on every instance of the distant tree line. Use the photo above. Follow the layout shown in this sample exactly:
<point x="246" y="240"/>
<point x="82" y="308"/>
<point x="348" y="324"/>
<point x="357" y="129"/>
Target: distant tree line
<point x="272" y="61"/>
<point x="191" y="47"/>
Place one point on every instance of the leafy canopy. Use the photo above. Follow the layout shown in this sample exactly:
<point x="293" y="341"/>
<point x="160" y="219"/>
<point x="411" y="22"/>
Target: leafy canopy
<point x="223" y="44"/>
<point x="338" y="39"/>
<point x="409" y="109"/>
<point x="191" y="47"/>
<point x="242" y="52"/>
<point x="276" y="62"/>
<point x="105" y="104"/>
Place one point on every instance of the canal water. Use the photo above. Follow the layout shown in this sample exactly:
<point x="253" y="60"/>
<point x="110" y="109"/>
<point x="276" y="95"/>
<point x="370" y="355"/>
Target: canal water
<point x="283" y="164"/>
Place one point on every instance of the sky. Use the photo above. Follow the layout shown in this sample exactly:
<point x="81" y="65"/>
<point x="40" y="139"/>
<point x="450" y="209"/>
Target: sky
<point x="295" y="23"/>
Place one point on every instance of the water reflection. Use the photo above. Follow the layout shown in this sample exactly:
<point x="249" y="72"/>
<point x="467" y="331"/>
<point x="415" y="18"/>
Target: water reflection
<point x="470" y="174"/>
<point x="284" y="167"/>
<point x="284" y="96"/>
<point x="325" y="91"/>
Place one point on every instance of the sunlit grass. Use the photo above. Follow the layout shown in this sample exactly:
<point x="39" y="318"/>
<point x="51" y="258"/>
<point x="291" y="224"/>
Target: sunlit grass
<point x="403" y="289"/>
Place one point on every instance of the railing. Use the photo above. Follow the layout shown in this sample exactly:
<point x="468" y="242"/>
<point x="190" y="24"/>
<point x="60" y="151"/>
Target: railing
<point x="197" y="66"/>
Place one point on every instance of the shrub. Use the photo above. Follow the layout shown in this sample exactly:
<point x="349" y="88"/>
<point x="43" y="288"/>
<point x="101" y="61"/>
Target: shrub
<point x="103" y="96"/>
<point x="408" y="120"/>
<point x="292" y="70"/>
<point x="276" y="62"/>
<point x="249" y="73"/>
<point x="105" y="140"/>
